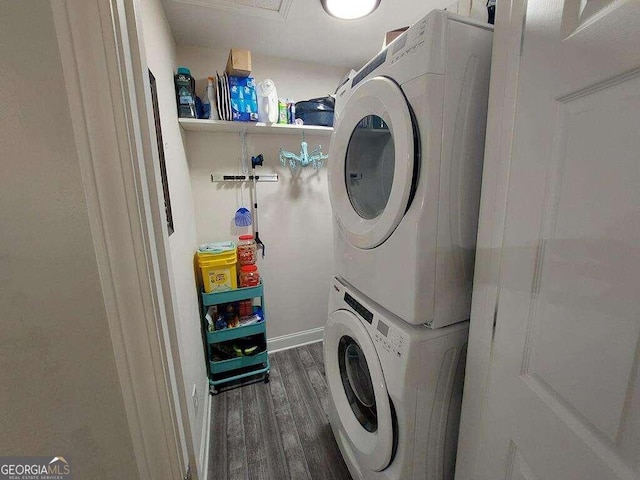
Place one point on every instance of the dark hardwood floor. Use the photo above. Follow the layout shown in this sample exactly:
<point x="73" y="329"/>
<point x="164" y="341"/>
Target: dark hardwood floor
<point x="279" y="430"/>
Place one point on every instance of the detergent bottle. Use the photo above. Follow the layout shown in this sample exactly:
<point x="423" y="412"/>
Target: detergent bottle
<point x="185" y="93"/>
<point x="267" y="101"/>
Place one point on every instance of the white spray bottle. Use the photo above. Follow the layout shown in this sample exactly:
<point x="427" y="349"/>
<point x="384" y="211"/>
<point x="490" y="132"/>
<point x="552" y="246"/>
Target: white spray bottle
<point x="211" y="96"/>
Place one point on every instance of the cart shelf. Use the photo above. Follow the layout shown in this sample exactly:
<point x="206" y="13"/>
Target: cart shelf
<point x="239" y="362"/>
<point x="234" y="333"/>
<point x="234" y="295"/>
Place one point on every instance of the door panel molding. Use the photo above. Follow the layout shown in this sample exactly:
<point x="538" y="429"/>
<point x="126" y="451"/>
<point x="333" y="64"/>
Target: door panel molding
<point x="518" y="468"/>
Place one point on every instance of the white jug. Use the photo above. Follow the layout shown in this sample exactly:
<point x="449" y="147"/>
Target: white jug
<point x="267" y="101"/>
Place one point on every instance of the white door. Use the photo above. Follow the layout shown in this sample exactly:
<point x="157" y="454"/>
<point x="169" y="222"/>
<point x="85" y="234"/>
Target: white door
<point x="563" y="399"/>
<point x="358" y="389"/>
<point x="373" y="156"/>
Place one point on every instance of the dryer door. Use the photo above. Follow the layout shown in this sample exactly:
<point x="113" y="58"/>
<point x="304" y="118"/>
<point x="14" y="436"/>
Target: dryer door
<point x="373" y="162"/>
<point x="358" y="389"/>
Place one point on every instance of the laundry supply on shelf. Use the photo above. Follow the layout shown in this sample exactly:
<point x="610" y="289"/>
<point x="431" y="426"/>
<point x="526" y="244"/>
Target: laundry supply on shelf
<point x="267" y="101"/>
<point x="185" y="86"/>
<point x="291" y="111"/>
<point x="244" y="102"/>
<point x="283" y="114"/>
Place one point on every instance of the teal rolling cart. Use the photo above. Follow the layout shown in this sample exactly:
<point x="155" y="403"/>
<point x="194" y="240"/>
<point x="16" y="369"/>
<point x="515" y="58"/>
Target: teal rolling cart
<point x="225" y="371"/>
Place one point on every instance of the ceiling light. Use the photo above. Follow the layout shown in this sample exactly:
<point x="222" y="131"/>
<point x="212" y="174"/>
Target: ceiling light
<point x="349" y="9"/>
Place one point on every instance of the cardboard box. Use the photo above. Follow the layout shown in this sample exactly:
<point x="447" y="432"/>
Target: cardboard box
<point x="244" y="102"/>
<point x="239" y="63"/>
<point x="392" y="35"/>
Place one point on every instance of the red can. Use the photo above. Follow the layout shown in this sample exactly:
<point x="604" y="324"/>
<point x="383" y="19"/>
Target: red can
<point x="245" y="308"/>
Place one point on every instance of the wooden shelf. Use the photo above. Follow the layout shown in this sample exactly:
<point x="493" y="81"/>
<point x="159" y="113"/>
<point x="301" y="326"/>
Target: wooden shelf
<point x="195" y="125"/>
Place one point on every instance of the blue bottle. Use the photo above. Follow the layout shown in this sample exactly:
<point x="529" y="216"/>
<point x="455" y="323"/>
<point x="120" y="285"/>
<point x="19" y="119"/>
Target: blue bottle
<point x="185" y="93"/>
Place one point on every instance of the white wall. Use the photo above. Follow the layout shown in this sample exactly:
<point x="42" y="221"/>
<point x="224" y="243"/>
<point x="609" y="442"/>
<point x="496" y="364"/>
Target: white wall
<point x="295" y="213"/>
<point x="60" y="390"/>
<point x="161" y="51"/>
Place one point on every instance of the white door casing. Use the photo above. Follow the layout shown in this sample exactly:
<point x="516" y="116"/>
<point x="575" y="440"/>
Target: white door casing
<point x="553" y="388"/>
<point x="108" y="93"/>
<point x="372" y="449"/>
<point x="382" y="97"/>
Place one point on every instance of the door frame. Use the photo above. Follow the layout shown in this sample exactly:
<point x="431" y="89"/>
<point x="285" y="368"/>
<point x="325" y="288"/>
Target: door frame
<point x="505" y="67"/>
<point x="101" y="51"/>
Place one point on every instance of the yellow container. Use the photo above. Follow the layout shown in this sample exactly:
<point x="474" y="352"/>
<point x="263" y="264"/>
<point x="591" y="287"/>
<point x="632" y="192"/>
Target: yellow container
<point x="218" y="269"/>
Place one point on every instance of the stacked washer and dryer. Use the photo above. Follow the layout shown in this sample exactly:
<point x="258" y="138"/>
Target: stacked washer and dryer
<point x="404" y="179"/>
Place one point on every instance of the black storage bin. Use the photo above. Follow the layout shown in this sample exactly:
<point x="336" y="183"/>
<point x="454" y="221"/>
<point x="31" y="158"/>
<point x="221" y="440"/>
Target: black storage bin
<point x="317" y="111"/>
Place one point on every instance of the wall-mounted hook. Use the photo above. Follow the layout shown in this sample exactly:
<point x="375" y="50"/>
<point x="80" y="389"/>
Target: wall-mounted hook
<point x="315" y="158"/>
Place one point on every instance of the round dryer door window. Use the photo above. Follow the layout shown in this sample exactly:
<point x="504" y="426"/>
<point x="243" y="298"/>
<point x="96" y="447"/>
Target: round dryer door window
<point x="358" y="389"/>
<point x="374" y="162"/>
<point x="369" y="166"/>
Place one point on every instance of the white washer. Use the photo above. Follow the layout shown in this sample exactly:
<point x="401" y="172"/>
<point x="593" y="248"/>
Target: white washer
<point x="406" y="167"/>
<point x="395" y="390"/>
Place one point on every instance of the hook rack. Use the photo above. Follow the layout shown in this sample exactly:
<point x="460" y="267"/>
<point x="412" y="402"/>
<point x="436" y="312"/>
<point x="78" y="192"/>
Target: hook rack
<point x="265" y="177"/>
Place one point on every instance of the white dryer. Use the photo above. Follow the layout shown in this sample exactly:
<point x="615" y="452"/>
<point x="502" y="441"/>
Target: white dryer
<point x="405" y="169"/>
<point x="395" y="390"/>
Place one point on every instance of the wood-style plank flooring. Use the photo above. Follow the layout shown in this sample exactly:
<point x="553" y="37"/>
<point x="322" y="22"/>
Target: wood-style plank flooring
<point x="279" y="430"/>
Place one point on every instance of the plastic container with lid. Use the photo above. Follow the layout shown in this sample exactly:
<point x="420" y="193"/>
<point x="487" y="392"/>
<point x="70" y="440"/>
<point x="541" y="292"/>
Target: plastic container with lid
<point x="217" y="263"/>
<point x="247" y="250"/>
<point x="185" y="93"/>
<point x="249" y="276"/>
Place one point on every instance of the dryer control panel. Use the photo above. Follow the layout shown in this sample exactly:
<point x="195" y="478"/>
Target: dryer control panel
<point x="389" y="339"/>
<point x="409" y="42"/>
<point x="406" y="44"/>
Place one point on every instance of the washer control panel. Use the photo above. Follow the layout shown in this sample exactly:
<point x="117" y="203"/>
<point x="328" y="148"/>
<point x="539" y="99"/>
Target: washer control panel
<point x="389" y="339"/>
<point x="385" y="336"/>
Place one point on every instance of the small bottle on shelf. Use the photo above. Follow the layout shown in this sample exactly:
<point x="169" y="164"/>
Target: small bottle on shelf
<point x="245" y="308"/>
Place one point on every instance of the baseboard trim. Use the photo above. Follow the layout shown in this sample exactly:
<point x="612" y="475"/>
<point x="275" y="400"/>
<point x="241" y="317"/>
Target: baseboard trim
<point x="294" y="340"/>
<point x="206" y="439"/>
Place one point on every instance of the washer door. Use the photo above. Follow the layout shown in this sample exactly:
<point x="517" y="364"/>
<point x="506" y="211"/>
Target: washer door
<point x="373" y="162"/>
<point x="358" y="389"/>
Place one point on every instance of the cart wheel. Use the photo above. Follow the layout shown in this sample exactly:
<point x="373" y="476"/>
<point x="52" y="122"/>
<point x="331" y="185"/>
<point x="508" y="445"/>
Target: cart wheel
<point x="266" y="378"/>
<point x="213" y="391"/>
